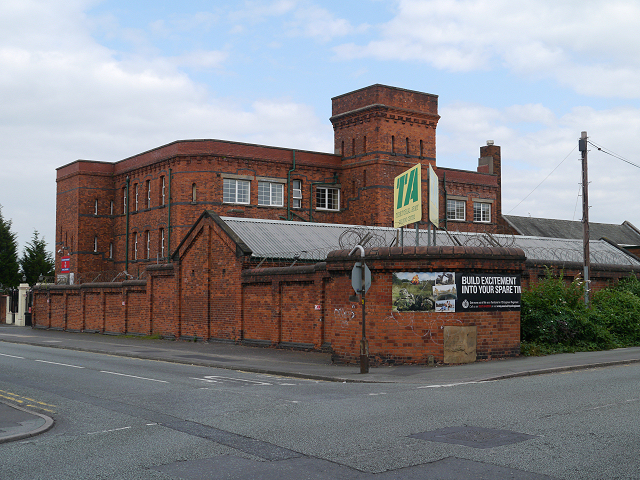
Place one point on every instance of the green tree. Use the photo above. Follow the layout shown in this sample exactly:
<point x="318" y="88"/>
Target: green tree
<point x="9" y="268"/>
<point x="36" y="260"/>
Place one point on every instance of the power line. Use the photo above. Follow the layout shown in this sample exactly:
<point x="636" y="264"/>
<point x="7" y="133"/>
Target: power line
<point x="545" y="178"/>
<point x="614" y="155"/>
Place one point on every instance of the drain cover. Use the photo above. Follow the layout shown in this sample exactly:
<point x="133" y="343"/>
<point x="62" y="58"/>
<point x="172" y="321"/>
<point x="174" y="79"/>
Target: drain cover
<point x="476" y="437"/>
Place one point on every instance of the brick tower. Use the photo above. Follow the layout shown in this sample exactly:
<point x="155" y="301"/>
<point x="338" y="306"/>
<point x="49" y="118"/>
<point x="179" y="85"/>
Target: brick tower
<point x="380" y="132"/>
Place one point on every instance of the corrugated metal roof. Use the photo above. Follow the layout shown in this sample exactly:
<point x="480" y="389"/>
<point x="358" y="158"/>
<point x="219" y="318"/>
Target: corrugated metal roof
<point x="286" y="240"/>
<point x="278" y="239"/>
<point x="624" y="234"/>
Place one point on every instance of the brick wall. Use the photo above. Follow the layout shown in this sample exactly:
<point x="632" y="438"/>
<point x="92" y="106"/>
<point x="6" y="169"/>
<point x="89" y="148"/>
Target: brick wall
<point x="410" y="337"/>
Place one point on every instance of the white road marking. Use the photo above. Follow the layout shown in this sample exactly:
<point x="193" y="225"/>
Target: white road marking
<point x="109" y="431"/>
<point x="12" y="356"/>
<point x="443" y="385"/>
<point x="218" y="378"/>
<point x="374" y="394"/>
<point x="56" y="363"/>
<point x="134" y="376"/>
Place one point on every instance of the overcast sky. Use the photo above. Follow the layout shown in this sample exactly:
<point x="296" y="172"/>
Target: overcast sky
<point x="104" y="80"/>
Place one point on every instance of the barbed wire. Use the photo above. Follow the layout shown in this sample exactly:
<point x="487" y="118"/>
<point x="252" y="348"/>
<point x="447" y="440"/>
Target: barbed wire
<point x="105" y="276"/>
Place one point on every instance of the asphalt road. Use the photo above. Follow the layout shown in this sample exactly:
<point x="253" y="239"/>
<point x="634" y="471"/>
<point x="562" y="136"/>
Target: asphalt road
<point x="127" y="418"/>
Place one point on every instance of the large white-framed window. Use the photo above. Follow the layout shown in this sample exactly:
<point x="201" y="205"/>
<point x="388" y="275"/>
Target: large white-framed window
<point x="456" y="209"/>
<point x="297" y="193"/>
<point x="271" y="194"/>
<point x="235" y="191"/>
<point x="481" y="212"/>
<point x="327" y="198"/>
<point x="162" y="191"/>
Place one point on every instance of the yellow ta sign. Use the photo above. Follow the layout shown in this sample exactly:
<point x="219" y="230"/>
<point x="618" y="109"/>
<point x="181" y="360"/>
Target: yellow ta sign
<point x="407" y="197"/>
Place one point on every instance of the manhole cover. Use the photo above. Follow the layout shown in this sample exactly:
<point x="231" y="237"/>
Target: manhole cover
<point x="476" y="437"/>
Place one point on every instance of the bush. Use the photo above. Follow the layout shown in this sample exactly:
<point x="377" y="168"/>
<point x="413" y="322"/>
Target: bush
<point x="552" y="312"/>
<point x="554" y="318"/>
<point x="617" y="309"/>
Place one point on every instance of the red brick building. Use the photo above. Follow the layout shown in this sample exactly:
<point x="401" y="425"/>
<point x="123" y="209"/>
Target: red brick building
<point x="124" y="216"/>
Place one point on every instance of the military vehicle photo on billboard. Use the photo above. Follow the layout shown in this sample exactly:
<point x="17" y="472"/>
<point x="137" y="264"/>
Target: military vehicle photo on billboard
<point x="454" y="292"/>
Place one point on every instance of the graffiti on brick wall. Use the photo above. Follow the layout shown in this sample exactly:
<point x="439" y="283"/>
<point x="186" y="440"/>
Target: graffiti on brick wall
<point x="416" y="323"/>
<point x="344" y="315"/>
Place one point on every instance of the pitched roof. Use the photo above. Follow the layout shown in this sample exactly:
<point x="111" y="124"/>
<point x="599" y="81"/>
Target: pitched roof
<point x="624" y="235"/>
<point x="278" y="239"/>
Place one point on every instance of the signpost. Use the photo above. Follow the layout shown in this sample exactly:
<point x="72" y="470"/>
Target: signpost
<point x="361" y="281"/>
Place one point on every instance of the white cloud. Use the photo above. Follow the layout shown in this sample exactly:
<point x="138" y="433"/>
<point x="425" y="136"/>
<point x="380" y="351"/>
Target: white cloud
<point x="547" y="144"/>
<point x="592" y="47"/>
<point x="73" y="98"/>
<point x="301" y="18"/>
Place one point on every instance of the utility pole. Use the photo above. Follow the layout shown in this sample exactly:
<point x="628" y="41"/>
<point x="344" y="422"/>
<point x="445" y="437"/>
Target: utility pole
<point x="582" y="144"/>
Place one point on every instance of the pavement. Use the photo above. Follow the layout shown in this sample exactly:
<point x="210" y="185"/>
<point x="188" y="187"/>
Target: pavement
<point x="16" y="422"/>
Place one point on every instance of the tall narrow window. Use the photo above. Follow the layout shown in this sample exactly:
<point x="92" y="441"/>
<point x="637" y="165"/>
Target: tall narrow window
<point x="148" y="242"/>
<point x="342" y="149"/>
<point x="421" y="149"/>
<point x="111" y="207"/>
<point x="135" y="246"/>
<point x="148" y="193"/>
<point x="393" y="144"/>
<point x="95" y="244"/>
<point x="135" y="189"/>
<point x="95" y="207"/>
<point x="162" y="186"/>
<point x="124" y="200"/>
<point x="162" y="243"/>
<point x="193" y="192"/>
<point x="297" y="193"/>
<point x="407" y="144"/>
<point x="111" y="250"/>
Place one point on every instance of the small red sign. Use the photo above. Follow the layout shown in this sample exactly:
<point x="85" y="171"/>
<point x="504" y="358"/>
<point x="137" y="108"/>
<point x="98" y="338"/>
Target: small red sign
<point x="65" y="264"/>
